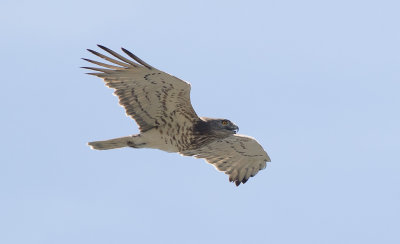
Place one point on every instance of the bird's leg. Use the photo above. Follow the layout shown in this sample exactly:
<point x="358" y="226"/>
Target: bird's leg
<point x="136" y="142"/>
<point x="132" y="144"/>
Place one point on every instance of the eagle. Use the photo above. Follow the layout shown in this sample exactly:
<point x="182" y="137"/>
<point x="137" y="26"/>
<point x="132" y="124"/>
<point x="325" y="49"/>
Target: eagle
<point x="160" y="105"/>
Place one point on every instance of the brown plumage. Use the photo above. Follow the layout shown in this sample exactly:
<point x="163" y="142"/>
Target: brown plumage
<point x="160" y="105"/>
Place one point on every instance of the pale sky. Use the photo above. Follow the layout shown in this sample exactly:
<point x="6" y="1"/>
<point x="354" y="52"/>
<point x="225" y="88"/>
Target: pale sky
<point x="316" y="82"/>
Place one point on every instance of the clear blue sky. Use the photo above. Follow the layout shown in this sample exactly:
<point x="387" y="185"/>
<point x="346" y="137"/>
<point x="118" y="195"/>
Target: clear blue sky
<point x="316" y="82"/>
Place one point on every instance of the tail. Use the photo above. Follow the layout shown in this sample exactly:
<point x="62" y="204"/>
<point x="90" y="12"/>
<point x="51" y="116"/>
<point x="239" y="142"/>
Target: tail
<point x="111" y="144"/>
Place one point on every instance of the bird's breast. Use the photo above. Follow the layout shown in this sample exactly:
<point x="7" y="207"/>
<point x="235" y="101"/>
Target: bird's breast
<point x="168" y="138"/>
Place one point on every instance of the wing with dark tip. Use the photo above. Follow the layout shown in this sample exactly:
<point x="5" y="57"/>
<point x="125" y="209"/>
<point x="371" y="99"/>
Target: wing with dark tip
<point x="150" y="96"/>
<point x="239" y="156"/>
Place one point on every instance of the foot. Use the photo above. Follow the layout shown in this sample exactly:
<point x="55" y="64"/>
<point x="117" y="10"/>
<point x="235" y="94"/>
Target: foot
<point x="134" y="145"/>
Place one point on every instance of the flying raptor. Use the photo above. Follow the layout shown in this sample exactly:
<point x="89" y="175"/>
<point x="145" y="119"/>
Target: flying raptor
<point x="160" y="105"/>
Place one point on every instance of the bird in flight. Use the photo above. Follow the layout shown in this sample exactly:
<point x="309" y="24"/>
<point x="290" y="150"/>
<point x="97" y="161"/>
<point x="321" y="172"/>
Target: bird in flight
<point x="160" y="105"/>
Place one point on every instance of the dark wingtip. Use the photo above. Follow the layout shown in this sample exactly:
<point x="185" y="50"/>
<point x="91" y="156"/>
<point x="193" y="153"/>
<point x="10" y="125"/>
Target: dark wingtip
<point x="104" y="48"/>
<point x="237" y="183"/>
<point x="136" y="58"/>
<point x="127" y="51"/>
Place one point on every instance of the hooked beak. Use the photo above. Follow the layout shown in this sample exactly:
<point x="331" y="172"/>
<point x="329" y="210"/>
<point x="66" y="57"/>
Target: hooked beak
<point x="235" y="129"/>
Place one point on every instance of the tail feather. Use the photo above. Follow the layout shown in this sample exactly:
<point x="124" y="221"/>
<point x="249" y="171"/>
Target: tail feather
<point x="110" y="144"/>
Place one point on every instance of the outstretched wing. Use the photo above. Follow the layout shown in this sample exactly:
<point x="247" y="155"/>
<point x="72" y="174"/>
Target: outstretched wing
<point x="239" y="156"/>
<point x="150" y="96"/>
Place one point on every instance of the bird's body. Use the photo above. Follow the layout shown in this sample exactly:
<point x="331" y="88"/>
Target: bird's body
<point x="160" y="104"/>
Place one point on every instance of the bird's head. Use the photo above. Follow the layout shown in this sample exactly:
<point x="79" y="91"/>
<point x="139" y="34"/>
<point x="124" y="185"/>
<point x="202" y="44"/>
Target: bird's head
<point x="221" y="127"/>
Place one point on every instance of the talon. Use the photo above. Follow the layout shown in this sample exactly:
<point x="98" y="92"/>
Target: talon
<point x="131" y="144"/>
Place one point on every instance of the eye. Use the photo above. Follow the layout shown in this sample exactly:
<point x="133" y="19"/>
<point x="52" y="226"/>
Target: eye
<point x="224" y="122"/>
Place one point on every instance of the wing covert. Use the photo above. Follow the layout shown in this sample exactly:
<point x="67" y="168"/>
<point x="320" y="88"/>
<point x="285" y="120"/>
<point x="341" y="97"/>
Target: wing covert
<point x="150" y="96"/>
<point x="239" y="156"/>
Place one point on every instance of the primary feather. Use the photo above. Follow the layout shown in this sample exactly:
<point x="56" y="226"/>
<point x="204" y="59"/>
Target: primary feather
<point x="160" y="105"/>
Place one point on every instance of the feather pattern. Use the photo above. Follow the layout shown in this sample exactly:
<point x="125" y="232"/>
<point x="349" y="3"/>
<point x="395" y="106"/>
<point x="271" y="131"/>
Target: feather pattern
<point x="151" y="97"/>
<point x="239" y="156"/>
<point x="160" y="105"/>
